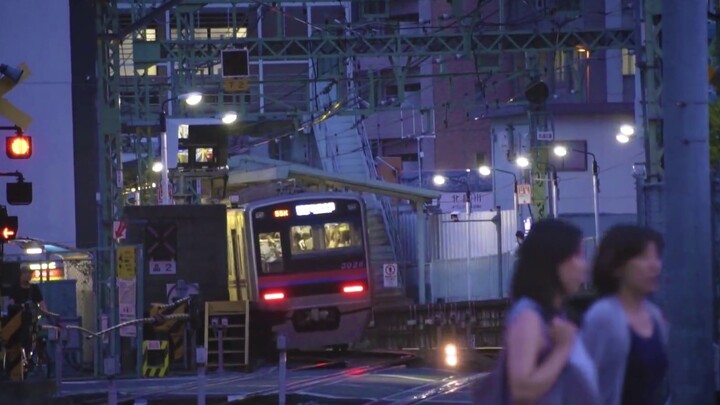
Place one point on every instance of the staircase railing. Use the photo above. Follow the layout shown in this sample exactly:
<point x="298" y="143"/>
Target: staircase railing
<point x="389" y="215"/>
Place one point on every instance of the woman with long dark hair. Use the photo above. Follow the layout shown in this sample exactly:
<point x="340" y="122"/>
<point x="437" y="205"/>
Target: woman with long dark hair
<point x="545" y="362"/>
<point x="623" y="331"/>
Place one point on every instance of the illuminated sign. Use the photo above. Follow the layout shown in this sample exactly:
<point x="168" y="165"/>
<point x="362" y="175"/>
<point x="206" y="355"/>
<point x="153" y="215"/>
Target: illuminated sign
<point x="281" y="213"/>
<point x="322" y="208"/>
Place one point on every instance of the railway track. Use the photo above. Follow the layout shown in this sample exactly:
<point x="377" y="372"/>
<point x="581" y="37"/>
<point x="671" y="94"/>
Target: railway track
<point x="356" y="364"/>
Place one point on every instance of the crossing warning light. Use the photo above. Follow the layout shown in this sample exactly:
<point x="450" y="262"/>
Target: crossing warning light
<point x="8" y="228"/>
<point x="18" y="146"/>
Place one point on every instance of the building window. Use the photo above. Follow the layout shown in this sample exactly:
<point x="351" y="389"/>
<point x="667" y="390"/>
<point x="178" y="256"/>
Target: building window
<point x="628" y="62"/>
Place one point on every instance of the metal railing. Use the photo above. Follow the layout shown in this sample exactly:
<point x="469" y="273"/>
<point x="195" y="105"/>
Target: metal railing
<point x="389" y="215"/>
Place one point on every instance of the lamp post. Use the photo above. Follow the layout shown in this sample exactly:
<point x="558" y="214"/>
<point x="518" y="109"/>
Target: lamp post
<point x="562" y="151"/>
<point x="554" y="190"/>
<point x="193" y="98"/>
<point x="486" y="170"/>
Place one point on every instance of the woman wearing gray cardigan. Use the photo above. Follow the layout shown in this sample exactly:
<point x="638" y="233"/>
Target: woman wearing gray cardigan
<point x="623" y="331"/>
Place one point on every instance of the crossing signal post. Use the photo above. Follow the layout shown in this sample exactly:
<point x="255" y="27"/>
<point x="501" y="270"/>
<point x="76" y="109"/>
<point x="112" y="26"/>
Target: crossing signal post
<point x="18" y="146"/>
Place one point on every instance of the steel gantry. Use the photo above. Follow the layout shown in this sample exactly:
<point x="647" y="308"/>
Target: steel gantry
<point x="185" y="61"/>
<point x="649" y="116"/>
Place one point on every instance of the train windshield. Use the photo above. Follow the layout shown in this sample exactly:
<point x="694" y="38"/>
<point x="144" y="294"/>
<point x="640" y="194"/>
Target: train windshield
<point x="288" y="241"/>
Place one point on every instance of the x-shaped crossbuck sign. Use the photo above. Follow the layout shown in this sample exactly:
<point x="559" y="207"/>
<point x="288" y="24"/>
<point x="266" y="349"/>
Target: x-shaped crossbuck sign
<point x="7" y="109"/>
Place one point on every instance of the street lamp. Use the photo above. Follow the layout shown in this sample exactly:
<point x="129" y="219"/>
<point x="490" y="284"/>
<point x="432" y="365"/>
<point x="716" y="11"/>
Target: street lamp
<point x="229" y="117"/>
<point x="622" y="138"/>
<point x="626" y="132"/>
<point x="560" y="150"/>
<point x="522" y="162"/>
<point x="192" y="98"/>
<point x="596" y="186"/>
<point x="487" y="170"/>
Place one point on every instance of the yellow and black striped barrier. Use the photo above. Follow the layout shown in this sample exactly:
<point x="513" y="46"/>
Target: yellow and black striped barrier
<point x="173" y="327"/>
<point x="177" y="340"/>
<point x="11" y="337"/>
<point x="156" y="358"/>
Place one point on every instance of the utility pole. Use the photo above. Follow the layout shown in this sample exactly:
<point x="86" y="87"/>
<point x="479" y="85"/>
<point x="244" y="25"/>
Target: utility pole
<point x="687" y="292"/>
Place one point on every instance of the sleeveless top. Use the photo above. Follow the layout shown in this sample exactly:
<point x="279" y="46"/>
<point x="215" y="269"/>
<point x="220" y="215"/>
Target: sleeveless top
<point x="646" y="366"/>
<point x="577" y="383"/>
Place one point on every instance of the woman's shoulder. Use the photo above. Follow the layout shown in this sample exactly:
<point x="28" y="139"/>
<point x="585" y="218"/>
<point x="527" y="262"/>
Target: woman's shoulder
<point x="524" y="305"/>
<point x="605" y="310"/>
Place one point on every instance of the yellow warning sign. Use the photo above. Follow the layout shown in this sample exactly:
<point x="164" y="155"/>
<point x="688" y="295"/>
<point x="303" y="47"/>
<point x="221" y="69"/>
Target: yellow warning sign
<point x="126" y="262"/>
<point x="7" y="109"/>
<point x="235" y="84"/>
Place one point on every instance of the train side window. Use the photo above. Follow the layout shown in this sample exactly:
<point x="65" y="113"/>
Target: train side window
<point x="340" y="235"/>
<point x="271" y="254"/>
<point x="302" y="239"/>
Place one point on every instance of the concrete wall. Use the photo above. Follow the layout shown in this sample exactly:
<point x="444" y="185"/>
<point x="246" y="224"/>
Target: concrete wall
<point x="42" y="41"/>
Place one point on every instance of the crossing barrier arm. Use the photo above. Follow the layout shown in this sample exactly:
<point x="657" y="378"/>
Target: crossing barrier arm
<point x="156" y="319"/>
<point x="170" y="307"/>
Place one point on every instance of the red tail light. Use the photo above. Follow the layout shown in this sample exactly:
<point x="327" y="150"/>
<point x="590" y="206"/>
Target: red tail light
<point x="356" y="288"/>
<point x="274" y="296"/>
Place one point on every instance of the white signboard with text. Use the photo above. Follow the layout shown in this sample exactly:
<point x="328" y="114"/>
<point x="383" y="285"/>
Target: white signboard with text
<point x="390" y="275"/>
<point x="455" y="202"/>
<point x="524" y="194"/>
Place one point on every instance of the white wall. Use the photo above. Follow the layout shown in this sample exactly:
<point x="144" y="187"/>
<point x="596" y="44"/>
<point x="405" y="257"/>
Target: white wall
<point x="42" y="41"/>
<point x="617" y="185"/>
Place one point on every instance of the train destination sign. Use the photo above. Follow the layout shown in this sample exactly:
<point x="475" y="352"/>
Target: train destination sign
<point x="315" y="209"/>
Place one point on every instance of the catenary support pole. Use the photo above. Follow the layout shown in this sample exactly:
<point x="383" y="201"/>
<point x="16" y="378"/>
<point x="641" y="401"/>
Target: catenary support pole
<point x="686" y="293"/>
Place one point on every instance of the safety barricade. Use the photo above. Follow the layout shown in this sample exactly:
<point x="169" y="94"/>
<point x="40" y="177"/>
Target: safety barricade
<point x="156" y="358"/>
<point x="12" y="333"/>
<point x="172" y="329"/>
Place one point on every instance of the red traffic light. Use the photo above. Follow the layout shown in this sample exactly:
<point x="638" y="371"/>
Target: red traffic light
<point x="8" y="228"/>
<point x="18" y="146"/>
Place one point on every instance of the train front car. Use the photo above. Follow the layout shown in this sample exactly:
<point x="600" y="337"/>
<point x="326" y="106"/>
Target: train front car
<point x="312" y="269"/>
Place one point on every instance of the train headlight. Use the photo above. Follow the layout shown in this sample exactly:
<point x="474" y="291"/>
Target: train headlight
<point x="451" y="355"/>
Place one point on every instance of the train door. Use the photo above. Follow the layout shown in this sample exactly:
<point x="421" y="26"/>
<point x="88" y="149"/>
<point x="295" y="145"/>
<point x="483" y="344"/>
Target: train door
<point x="237" y="256"/>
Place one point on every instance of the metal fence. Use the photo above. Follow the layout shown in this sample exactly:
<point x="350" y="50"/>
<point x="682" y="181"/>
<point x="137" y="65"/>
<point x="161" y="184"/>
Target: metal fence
<point x="470" y="258"/>
<point x="464" y="261"/>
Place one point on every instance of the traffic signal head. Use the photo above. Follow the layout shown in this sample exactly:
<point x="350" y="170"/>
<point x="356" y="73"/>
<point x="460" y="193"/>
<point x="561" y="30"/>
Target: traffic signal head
<point x="18" y="146"/>
<point x="8" y="228"/>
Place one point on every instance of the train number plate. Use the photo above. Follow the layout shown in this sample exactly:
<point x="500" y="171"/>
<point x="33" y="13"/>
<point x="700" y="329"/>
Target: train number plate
<point x="352" y="265"/>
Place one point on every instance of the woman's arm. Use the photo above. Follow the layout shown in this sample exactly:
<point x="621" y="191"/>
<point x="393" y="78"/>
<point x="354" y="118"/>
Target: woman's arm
<point x="528" y="380"/>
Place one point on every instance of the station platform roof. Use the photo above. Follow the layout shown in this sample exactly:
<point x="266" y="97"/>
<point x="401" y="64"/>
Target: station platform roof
<point x="246" y="170"/>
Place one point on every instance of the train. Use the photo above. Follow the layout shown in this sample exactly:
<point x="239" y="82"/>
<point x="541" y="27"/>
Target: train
<point x="305" y="262"/>
<point x="300" y="261"/>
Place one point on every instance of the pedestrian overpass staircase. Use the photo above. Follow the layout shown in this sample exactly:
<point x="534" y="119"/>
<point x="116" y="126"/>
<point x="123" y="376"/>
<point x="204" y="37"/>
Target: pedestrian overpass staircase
<point x="344" y="149"/>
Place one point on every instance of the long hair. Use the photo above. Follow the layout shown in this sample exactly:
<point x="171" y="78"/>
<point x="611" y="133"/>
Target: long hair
<point x="620" y="244"/>
<point x="549" y="243"/>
